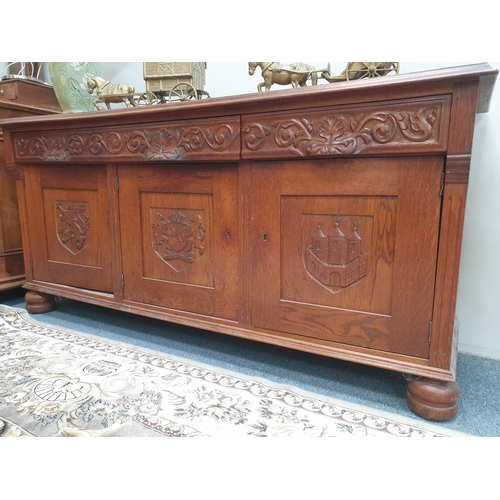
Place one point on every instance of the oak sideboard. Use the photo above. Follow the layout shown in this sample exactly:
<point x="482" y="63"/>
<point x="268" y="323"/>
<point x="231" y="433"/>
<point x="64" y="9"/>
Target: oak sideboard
<point x="326" y="219"/>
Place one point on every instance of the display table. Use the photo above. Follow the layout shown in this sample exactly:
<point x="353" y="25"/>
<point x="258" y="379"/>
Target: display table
<point x="326" y="219"/>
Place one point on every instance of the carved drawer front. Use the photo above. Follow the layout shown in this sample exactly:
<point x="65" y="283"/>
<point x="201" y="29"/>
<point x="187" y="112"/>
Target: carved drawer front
<point x="68" y="218"/>
<point x="179" y="235"/>
<point x="345" y="250"/>
<point x="149" y="142"/>
<point x="414" y="125"/>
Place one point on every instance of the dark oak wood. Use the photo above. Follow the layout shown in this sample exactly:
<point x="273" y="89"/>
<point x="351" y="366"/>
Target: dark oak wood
<point x="326" y="219"/>
<point x="18" y="98"/>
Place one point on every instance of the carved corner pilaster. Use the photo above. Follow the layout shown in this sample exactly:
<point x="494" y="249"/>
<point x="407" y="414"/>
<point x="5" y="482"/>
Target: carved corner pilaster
<point x="457" y="169"/>
<point x="15" y="171"/>
<point x="8" y="158"/>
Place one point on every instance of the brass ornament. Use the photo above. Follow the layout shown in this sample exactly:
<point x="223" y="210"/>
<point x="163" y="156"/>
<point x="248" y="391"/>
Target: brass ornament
<point x="297" y="74"/>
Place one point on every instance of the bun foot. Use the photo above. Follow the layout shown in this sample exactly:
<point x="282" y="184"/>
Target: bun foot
<point x="437" y="401"/>
<point x="37" y="302"/>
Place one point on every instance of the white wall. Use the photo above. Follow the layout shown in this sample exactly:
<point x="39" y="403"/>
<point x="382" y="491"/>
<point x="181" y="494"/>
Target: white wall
<point x="479" y="286"/>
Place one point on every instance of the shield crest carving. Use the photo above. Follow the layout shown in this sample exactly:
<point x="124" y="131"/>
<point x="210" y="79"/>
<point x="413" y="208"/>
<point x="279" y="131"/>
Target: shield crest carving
<point x="178" y="237"/>
<point x="72" y="225"/>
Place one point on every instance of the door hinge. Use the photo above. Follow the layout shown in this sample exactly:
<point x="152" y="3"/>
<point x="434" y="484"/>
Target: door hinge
<point x="117" y="183"/>
<point x="430" y="332"/>
<point x="441" y="189"/>
<point x="31" y="264"/>
<point x="123" y="282"/>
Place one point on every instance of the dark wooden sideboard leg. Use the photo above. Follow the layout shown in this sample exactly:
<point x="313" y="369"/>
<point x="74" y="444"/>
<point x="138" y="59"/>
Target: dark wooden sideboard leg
<point x="433" y="400"/>
<point x="37" y="302"/>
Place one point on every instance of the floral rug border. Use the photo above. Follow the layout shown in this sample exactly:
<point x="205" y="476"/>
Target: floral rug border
<point x="343" y="413"/>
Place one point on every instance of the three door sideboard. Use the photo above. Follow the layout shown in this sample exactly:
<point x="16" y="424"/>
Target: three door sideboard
<point x="326" y="219"/>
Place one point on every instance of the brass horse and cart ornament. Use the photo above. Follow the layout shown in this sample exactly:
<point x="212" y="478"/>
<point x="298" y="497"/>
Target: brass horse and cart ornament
<point x="183" y="81"/>
<point x="165" y="82"/>
<point x="298" y="74"/>
<point x="108" y="93"/>
<point x="176" y="81"/>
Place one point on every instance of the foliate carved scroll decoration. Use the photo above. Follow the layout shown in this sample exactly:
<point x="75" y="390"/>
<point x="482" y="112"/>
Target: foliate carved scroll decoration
<point x="336" y="260"/>
<point x="72" y="225"/>
<point x="178" y="238"/>
<point x="111" y="142"/>
<point x="345" y="132"/>
<point x="166" y="144"/>
<point x="50" y="147"/>
<point x="171" y="142"/>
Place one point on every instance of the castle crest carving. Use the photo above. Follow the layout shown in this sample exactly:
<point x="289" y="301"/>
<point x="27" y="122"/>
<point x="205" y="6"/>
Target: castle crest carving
<point x="336" y="260"/>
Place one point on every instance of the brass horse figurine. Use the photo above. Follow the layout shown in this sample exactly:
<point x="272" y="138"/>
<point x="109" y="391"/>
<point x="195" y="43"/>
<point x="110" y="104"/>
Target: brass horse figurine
<point x="295" y="74"/>
<point x="106" y="91"/>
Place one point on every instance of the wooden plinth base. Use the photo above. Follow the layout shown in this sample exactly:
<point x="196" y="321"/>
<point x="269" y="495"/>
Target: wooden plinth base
<point x="37" y="302"/>
<point x="433" y="400"/>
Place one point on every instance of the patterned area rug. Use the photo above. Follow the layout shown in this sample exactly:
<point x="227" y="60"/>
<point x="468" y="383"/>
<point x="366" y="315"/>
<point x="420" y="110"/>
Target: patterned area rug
<point x="57" y="382"/>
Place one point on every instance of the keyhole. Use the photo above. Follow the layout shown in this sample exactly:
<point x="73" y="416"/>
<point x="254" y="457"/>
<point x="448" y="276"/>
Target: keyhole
<point x="264" y="237"/>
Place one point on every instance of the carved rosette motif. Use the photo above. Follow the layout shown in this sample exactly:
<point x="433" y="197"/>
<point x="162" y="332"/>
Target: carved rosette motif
<point x="149" y="143"/>
<point x="72" y="225"/>
<point x="177" y="238"/>
<point x="343" y="132"/>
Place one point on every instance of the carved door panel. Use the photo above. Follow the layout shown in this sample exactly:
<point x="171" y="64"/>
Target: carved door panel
<point x="68" y="218"/>
<point x="180" y="236"/>
<point x="345" y="250"/>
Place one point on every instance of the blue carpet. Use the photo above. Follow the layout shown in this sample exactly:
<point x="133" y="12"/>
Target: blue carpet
<point x="478" y="378"/>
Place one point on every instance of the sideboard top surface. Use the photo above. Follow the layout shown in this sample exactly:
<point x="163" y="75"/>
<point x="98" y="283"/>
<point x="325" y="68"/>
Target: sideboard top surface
<point x="418" y="84"/>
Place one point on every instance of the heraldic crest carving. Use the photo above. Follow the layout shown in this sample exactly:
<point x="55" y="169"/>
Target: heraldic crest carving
<point x="72" y="224"/>
<point x="177" y="238"/>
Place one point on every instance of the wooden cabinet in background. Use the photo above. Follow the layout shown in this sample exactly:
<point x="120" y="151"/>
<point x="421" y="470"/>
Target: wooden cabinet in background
<point x="326" y="219"/>
<point x="18" y="98"/>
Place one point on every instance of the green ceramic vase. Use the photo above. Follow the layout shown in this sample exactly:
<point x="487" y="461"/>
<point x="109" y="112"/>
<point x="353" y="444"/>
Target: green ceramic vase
<point x="69" y="80"/>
